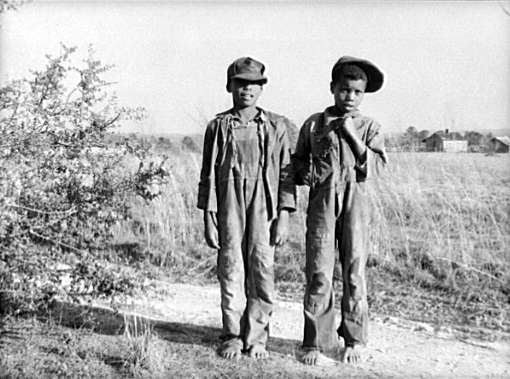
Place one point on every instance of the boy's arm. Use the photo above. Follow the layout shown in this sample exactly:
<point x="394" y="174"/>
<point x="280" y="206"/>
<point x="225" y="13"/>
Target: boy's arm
<point x="301" y="157"/>
<point x="206" y="186"/>
<point x="286" y="186"/>
<point x="211" y="230"/>
<point x="207" y="190"/>
<point x="370" y="156"/>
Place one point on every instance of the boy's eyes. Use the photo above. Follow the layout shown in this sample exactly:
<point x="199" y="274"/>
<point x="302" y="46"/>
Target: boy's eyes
<point x="348" y="90"/>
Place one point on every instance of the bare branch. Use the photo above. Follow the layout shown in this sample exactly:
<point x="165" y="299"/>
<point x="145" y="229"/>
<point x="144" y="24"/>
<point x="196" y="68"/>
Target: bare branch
<point x="108" y="123"/>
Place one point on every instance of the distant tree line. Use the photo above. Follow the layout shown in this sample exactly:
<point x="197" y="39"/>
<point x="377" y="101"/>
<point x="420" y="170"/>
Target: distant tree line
<point x="410" y="140"/>
<point x="173" y="143"/>
<point x="413" y="139"/>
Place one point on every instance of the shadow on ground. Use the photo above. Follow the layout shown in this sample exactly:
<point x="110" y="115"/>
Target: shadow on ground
<point x="105" y="320"/>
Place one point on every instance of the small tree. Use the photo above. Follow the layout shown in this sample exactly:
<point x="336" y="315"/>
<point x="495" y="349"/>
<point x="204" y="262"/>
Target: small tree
<point x="410" y="140"/>
<point x="62" y="187"/>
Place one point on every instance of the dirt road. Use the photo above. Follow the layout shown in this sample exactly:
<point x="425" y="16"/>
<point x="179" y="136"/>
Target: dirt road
<point x="397" y="348"/>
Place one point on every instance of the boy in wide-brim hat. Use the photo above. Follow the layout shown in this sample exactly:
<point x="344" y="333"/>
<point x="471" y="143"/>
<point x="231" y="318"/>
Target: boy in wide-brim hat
<point x="246" y="192"/>
<point x="338" y="152"/>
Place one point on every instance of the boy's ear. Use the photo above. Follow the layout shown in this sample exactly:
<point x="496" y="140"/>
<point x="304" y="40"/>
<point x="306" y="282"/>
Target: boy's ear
<point x="229" y="82"/>
<point x="332" y="87"/>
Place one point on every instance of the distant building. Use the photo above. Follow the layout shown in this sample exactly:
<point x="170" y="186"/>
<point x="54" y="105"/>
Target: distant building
<point x="476" y="141"/>
<point x="455" y="146"/>
<point x="499" y="144"/>
<point x="446" y="142"/>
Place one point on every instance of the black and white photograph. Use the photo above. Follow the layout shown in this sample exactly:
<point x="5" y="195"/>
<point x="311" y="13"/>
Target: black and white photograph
<point x="254" y="189"/>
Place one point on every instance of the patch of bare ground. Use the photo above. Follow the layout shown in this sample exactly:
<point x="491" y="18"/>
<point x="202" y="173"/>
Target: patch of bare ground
<point x="172" y="331"/>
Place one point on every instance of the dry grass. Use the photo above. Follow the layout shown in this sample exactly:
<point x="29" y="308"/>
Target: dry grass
<point x="449" y="208"/>
<point x="441" y="222"/>
<point x="440" y="253"/>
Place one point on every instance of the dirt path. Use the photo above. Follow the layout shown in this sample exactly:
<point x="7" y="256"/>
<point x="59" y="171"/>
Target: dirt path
<point x="397" y="348"/>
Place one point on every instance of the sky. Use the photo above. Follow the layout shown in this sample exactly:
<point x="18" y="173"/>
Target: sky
<point x="446" y="64"/>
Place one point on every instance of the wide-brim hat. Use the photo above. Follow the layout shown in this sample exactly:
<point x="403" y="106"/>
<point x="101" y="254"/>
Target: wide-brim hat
<point x="246" y="68"/>
<point x="375" y="77"/>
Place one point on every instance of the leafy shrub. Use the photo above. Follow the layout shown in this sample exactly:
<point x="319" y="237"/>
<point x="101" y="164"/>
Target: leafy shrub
<point x="62" y="187"/>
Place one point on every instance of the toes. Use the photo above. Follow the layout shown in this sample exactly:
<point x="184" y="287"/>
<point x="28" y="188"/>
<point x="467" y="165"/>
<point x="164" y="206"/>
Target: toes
<point x="311" y="358"/>
<point x="258" y="352"/>
<point x="351" y="356"/>
<point x="231" y="353"/>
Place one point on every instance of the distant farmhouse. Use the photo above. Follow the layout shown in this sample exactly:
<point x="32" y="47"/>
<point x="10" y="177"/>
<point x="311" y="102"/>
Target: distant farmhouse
<point x="446" y="142"/>
<point x="476" y="141"/>
<point x="499" y="144"/>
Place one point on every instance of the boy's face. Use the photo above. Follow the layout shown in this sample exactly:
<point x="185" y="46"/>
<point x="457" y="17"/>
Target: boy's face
<point x="348" y="93"/>
<point x="245" y="93"/>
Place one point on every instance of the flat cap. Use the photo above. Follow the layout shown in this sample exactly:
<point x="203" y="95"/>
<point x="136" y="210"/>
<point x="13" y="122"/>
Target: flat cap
<point x="246" y="68"/>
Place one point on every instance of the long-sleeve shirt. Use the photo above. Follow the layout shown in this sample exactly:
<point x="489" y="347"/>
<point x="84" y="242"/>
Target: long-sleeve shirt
<point x="219" y="159"/>
<point x="323" y="156"/>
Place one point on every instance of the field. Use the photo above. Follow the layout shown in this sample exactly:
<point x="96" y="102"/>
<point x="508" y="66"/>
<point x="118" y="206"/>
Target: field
<point x="439" y="254"/>
<point x="440" y="227"/>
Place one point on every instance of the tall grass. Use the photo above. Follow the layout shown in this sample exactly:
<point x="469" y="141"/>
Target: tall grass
<point x="443" y="212"/>
<point x="434" y="214"/>
<point x="168" y="230"/>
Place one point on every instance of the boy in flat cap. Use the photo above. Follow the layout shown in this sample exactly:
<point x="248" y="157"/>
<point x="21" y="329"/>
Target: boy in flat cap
<point x="246" y="192"/>
<point x="338" y="152"/>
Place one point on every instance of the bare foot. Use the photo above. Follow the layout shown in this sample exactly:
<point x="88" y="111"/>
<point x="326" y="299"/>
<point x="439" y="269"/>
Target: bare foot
<point x="258" y="352"/>
<point x="351" y="355"/>
<point x="314" y="357"/>
<point x="311" y="357"/>
<point x="230" y="351"/>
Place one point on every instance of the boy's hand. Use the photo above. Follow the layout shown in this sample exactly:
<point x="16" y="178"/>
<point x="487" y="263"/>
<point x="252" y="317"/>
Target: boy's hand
<point x="357" y="146"/>
<point x="347" y="127"/>
<point x="211" y="229"/>
<point x="282" y="228"/>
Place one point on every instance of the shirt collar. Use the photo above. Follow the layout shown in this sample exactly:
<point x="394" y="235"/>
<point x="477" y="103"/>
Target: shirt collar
<point x="260" y="117"/>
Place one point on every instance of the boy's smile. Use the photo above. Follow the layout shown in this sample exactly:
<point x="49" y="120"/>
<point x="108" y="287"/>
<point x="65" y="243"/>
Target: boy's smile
<point x="348" y="93"/>
<point x="245" y="93"/>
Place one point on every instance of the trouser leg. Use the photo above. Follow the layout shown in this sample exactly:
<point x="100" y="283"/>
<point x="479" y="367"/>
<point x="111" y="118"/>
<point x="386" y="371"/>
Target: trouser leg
<point x="353" y="236"/>
<point x="319" y="310"/>
<point x="260" y="269"/>
<point x="231" y="273"/>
